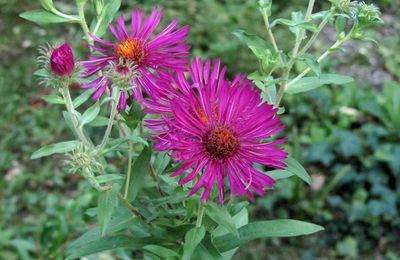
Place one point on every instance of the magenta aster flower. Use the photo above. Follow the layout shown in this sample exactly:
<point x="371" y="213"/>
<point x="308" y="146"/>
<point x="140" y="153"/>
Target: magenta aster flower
<point x="62" y="60"/>
<point x="217" y="130"/>
<point x="148" y="55"/>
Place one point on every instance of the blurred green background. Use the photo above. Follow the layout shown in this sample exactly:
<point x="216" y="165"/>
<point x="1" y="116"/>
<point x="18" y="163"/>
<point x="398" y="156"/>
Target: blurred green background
<point x="348" y="137"/>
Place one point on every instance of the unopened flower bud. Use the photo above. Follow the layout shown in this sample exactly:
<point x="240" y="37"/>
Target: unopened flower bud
<point x="368" y="14"/>
<point x="62" y="61"/>
<point x="121" y="74"/>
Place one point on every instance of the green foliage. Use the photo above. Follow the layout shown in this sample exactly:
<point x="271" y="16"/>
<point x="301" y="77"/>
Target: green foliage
<point x="310" y="83"/>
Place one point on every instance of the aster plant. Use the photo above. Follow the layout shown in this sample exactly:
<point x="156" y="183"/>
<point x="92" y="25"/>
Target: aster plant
<point x="185" y="148"/>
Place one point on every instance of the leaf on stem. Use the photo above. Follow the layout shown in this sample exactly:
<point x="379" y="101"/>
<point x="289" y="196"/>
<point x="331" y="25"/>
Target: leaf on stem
<point x="263" y="229"/>
<point x="310" y="83"/>
<point x="107" y="201"/>
<point x="192" y="239"/>
<point x="62" y="147"/>
<point x="140" y="169"/>
<point x="43" y="17"/>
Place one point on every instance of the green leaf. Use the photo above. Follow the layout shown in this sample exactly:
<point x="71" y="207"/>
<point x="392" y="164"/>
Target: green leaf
<point x="310" y="83"/>
<point x="108" y="178"/>
<point x="47" y="4"/>
<point x="163" y="252"/>
<point x="108" y="243"/>
<point x="47" y="150"/>
<point x="82" y="98"/>
<point x="298" y="170"/>
<point x="122" y="218"/>
<point x="255" y="43"/>
<point x="221" y="217"/>
<point x="340" y="24"/>
<point x="140" y="170"/>
<point x="206" y="250"/>
<point x="134" y="116"/>
<point x="107" y="201"/>
<point x="99" y="121"/>
<point x="313" y="63"/>
<point x="109" y="11"/>
<point x="54" y="99"/>
<point x="90" y="114"/>
<point x="264" y="229"/>
<point x="192" y="239"/>
<point x="279" y="174"/>
<point x="43" y="17"/>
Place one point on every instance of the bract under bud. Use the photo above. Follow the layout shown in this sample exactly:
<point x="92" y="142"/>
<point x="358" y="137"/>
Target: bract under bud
<point x="62" y="60"/>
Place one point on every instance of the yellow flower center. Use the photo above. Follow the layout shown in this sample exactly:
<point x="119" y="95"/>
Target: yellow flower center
<point x="130" y="50"/>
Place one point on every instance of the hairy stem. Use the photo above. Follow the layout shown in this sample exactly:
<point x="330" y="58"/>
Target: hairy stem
<point x="270" y="34"/>
<point x="296" y="52"/>
<point x="129" y="206"/>
<point x="129" y="172"/>
<point x="83" y="23"/>
<point x="113" y="113"/>
<point x="75" y="123"/>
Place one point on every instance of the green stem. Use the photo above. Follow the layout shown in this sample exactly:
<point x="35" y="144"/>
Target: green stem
<point x="316" y="34"/>
<point x="129" y="206"/>
<point x="270" y="34"/>
<point x="129" y="172"/>
<point x="114" y="110"/>
<point x="75" y="123"/>
<point x="296" y="52"/>
<point x="82" y="21"/>
<point x="66" y="16"/>
<point x="200" y="214"/>
<point x="321" y="58"/>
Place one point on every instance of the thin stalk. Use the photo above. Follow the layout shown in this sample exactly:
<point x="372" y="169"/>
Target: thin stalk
<point x="114" y="110"/>
<point x="129" y="172"/>
<point x="270" y="33"/>
<point x="70" y="107"/>
<point x="296" y="52"/>
<point x="129" y="206"/>
<point x="83" y="23"/>
<point x="66" y="16"/>
<point x="316" y="34"/>
<point x="321" y="58"/>
<point x="200" y="214"/>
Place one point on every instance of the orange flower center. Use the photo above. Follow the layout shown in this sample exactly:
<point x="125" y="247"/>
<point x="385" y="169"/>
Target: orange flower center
<point x="130" y="50"/>
<point x="221" y="143"/>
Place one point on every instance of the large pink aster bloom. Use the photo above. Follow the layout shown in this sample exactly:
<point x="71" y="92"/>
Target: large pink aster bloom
<point x="148" y="55"/>
<point x="217" y="130"/>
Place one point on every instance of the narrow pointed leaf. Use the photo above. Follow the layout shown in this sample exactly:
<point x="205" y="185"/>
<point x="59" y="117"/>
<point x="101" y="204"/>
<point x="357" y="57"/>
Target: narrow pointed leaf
<point x="221" y="217"/>
<point x="295" y="168"/>
<point x="90" y="114"/>
<point x="62" y="147"/>
<point x="310" y="83"/>
<point x="140" y="169"/>
<point x="192" y="239"/>
<point x="107" y="201"/>
<point x="265" y="229"/>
